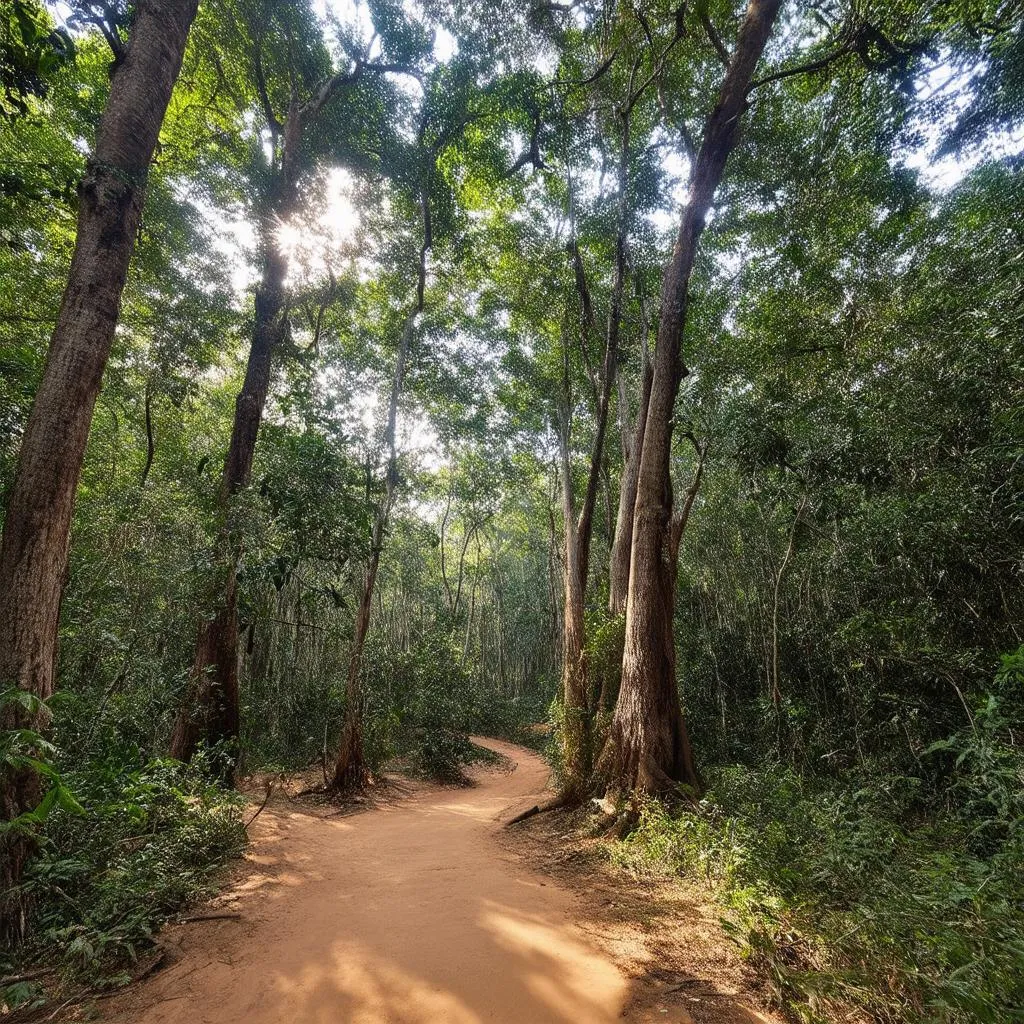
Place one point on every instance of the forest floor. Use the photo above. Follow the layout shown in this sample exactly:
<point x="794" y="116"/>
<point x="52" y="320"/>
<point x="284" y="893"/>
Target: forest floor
<point x="423" y="909"/>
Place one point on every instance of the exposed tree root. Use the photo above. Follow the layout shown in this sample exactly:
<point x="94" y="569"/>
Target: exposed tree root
<point x="562" y="800"/>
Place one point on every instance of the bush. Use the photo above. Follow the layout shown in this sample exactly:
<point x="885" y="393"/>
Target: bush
<point x="421" y="704"/>
<point x="892" y="894"/>
<point x="150" y="839"/>
<point x="443" y="755"/>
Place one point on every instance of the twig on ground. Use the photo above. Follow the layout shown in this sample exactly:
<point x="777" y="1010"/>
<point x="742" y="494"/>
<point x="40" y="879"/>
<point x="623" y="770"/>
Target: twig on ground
<point x="63" y="1006"/>
<point x="266" y="797"/>
<point x="16" y="979"/>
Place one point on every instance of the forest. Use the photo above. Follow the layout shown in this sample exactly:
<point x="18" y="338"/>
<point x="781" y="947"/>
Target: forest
<point x="413" y="389"/>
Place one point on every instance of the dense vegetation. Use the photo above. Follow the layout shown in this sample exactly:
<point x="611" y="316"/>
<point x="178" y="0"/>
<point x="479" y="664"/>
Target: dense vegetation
<point x="398" y="393"/>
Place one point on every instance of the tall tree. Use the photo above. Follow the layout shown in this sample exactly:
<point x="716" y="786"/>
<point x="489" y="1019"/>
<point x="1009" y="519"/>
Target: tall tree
<point x="451" y="103"/>
<point x="33" y="557"/>
<point x="292" y="104"/>
<point x="648" y="746"/>
<point x="350" y="765"/>
<point x="578" y="700"/>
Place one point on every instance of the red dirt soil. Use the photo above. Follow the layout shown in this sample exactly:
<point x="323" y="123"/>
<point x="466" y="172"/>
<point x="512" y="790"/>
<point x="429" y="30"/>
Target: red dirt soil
<point x="421" y="911"/>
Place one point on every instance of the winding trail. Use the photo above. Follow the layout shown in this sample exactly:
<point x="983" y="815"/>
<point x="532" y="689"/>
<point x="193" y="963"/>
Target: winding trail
<point x="413" y="913"/>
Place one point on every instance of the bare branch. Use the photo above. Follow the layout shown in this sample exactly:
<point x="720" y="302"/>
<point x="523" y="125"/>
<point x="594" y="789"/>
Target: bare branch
<point x="532" y="154"/>
<point x="105" y="17"/>
<point x="712" y="34"/>
<point x="847" y="46"/>
<point x="361" y="67"/>
<point x="589" y="319"/>
<point x="261" y="87"/>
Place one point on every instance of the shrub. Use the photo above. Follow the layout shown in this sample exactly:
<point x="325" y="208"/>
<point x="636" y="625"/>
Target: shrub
<point x="897" y="895"/>
<point x="443" y="755"/>
<point x="149" y="840"/>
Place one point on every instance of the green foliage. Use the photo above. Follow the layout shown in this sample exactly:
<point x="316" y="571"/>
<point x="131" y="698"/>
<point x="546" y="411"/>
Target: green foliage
<point x="422" y="704"/>
<point x="894" y="894"/>
<point x="147" y="839"/>
<point x="24" y="751"/>
<point x="554" y="747"/>
<point x="31" y="50"/>
<point x="442" y="755"/>
<point x="605" y="639"/>
<point x="851" y="569"/>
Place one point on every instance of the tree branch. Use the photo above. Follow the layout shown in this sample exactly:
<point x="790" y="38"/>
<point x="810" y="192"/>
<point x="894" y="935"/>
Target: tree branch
<point x="847" y="47"/>
<point x="712" y="34"/>
<point x="261" y="87"/>
<point x="682" y="517"/>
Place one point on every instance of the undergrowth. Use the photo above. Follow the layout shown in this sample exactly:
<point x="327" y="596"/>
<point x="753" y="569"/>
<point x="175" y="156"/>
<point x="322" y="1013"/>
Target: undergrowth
<point x="147" y="839"/>
<point x="898" y="896"/>
<point x="443" y="755"/>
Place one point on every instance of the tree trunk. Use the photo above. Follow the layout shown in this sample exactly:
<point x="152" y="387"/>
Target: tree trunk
<point x="618" y="573"/>
<point x="577" y="700"/>
<point x="210" y="712"/>
<point x="350" y="770"/>
<point x="577" y="752"/>
<point x="33" y="557"/>
<point x="350" y="767"/>
<point x="648" y="747"/>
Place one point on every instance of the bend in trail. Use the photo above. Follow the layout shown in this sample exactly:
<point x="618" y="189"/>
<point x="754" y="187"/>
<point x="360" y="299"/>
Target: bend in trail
<point x="411" y="914"/>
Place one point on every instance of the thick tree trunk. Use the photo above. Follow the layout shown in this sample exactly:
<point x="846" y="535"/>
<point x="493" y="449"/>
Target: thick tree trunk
<point x="33" y="557"/>
<point x="210" y="712"/>
<point x="648" y="747"/>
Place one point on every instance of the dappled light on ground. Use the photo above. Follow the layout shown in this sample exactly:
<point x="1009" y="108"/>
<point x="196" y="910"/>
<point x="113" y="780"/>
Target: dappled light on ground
<point x="411" y="913"/>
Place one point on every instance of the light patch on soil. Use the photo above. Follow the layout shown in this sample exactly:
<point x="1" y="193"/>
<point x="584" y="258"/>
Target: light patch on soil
<point x="420" y="907"/>
<point x="665" y="934"/>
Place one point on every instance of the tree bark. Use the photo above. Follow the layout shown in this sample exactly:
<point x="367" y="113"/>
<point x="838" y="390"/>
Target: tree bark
<point x="150" y="440"/>
<point x="618" y="572"/>
<point x="33" y="556"/>
<point x="648" y="747"/>
<point x="350" y="767"/>
<point x="210" y="712"/>
<point x="577" y="700"/>
<point x="577" y="751"/>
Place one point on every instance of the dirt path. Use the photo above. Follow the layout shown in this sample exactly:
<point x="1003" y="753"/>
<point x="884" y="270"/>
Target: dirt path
<point x="413" y="913"/>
